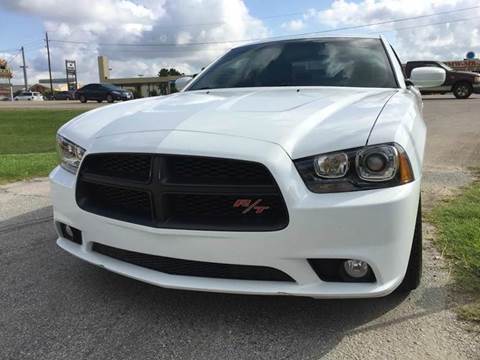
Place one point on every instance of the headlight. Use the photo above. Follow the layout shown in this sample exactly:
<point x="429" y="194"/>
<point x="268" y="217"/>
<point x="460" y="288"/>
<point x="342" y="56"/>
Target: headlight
<point x="70" y="154"/>
<point x="365" y="168"/>
<point x="476" y="79"/>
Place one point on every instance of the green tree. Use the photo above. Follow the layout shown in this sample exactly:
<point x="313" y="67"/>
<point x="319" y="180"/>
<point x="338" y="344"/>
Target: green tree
<point x="169" y="72"/>
<point x="163" y="72"/>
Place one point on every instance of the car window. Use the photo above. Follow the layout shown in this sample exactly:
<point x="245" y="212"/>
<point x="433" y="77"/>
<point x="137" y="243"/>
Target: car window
<point x="27" y="94"/>
<point x="111" y="87"/>
<point x="312" y="62"/>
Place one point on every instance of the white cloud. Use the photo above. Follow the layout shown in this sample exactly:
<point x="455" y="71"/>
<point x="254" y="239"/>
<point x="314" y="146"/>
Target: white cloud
<point x="412" y="40"/>
<point x="136" y="22"/>
<point x="293" y="25"/>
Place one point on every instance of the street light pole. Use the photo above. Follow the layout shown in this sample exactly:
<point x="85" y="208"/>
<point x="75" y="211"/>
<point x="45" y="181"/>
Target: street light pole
<point x="49" y="65"/>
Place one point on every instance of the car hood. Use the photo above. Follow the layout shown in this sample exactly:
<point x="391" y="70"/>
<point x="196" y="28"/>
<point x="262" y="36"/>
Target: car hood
<point x="302" y="121"/>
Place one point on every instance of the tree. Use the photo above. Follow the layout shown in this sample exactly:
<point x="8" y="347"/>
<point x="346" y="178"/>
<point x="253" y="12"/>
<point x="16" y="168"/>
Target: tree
<point x="163" y="72"/>
<point x="174" y="72"/>
<point x="169" y="72"/>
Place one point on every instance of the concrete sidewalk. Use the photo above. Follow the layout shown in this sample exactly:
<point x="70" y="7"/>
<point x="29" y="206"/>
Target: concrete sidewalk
<point x="22" y="197"/>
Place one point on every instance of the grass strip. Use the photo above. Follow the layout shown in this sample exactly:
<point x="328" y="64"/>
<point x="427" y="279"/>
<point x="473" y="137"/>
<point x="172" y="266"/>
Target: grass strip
<point x="458" y="223"/>
<point x="15" y="167"/>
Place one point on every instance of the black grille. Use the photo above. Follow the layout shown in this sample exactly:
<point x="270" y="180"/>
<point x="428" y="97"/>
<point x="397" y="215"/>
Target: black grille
<point x="198" y="170"/>
<point x="193" y="268"/>
<point x="184" y="192"/>
<point x="126" y="166"/>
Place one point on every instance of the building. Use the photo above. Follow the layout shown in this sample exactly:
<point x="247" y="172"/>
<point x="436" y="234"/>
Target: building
<point x="5" y="80"/>
<point x="141" y="86"/>
<point x="465" y="65"/>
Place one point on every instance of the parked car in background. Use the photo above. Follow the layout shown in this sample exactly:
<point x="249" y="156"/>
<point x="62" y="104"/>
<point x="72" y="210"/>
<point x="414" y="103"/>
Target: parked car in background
<point x="461" y="83"/>
<point x="29" y="95"/>
<point x="64" y="95"/>
<point x="102" y="92"/>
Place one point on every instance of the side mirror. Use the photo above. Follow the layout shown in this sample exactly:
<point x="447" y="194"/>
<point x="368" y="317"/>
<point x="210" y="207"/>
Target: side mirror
<point x="425" y="77"/>
<point x="180" y="83"/>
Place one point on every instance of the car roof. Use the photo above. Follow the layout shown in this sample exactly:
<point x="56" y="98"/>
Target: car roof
<point x="277" y="39"/>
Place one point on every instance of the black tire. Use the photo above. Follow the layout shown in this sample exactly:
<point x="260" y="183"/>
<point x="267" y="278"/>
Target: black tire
<point x="462" y="90"/>
<point x="99" y="101"/>
<point x="110" y="98"/>
<point x="414" y="270"/>
<point x="82" y="99"/>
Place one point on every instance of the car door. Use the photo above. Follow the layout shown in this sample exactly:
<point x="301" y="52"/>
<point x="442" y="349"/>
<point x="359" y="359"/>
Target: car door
<point x="85" y="92"/>
<point x="102" y="92"/>
<point x="93" y="92"/>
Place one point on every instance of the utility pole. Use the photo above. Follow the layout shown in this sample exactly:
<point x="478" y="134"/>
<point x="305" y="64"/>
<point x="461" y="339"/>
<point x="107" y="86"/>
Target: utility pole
<point x="24" y="67"/>
<point x="49" y="65"/>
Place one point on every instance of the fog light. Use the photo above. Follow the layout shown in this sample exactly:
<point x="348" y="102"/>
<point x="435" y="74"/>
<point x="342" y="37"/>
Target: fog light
<point x="68" y="231"/>
<point x="356" y="268"/>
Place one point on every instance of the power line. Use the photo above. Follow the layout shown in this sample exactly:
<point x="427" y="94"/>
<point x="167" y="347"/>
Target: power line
<point x="355" y="27"/>
<point x="431" y="24"/>
<point x="13" y="56"/>
<point x="185" y="50"/>
<point x="94" y="46"/>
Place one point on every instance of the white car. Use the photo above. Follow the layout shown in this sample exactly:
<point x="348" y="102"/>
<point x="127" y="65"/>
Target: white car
<point x="290" y="167"/>
<point x="29" y="95"/>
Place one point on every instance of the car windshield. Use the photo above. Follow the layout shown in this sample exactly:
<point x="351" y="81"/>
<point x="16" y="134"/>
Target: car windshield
<point x="350" y="62"/>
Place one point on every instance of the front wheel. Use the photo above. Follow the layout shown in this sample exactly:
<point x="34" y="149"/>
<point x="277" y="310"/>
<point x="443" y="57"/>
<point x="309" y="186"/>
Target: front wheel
<point x="414" y="270"/>
<point x="462" y="90"/>
<point x="83" y="99"/>
<point x="110" y="98"/>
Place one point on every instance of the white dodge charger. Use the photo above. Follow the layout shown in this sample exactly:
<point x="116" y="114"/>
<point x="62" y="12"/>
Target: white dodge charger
<point x="290" y="167"/>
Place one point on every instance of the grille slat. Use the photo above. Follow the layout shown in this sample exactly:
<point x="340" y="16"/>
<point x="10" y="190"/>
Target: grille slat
<point x="136" y="167"/>
<point x="183" y="192"/>
<point x="198" y="170"/>
<point x="193" y="268"/>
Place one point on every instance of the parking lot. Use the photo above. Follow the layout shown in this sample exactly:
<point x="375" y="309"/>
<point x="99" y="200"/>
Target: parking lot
<point x="57" y="307"/>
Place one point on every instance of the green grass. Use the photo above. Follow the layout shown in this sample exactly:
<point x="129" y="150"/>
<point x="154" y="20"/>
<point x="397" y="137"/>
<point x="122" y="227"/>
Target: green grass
<point x="27" y="142"/>
<point x="31" y="131"/>
<point x="458" y="224"/>
<point x="15" y="167"/>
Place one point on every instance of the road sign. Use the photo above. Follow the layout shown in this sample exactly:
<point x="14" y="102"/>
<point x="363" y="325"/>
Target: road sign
<point x="71" y="70"/>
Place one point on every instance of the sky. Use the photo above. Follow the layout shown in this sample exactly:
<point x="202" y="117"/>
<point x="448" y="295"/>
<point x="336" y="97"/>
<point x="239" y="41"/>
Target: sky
<point x="142" y="36"/>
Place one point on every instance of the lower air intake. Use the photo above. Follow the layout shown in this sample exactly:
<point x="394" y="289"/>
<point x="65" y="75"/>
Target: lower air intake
<point x="193" y="268"/>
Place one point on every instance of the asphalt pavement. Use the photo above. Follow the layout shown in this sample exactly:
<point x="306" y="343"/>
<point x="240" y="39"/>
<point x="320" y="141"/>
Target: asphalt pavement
<point x="53" y="306"/>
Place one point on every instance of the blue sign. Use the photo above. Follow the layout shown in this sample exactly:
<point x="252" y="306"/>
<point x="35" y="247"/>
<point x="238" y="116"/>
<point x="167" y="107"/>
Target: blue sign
<point x="470" y="55"/>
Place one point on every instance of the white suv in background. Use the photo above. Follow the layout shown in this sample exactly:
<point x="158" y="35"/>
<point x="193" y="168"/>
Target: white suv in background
<point x="29" y="95"/>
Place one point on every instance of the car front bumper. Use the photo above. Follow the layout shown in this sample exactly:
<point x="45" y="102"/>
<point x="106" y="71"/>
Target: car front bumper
<point x="375" y="226"/>
<point x="123" y="96"/>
